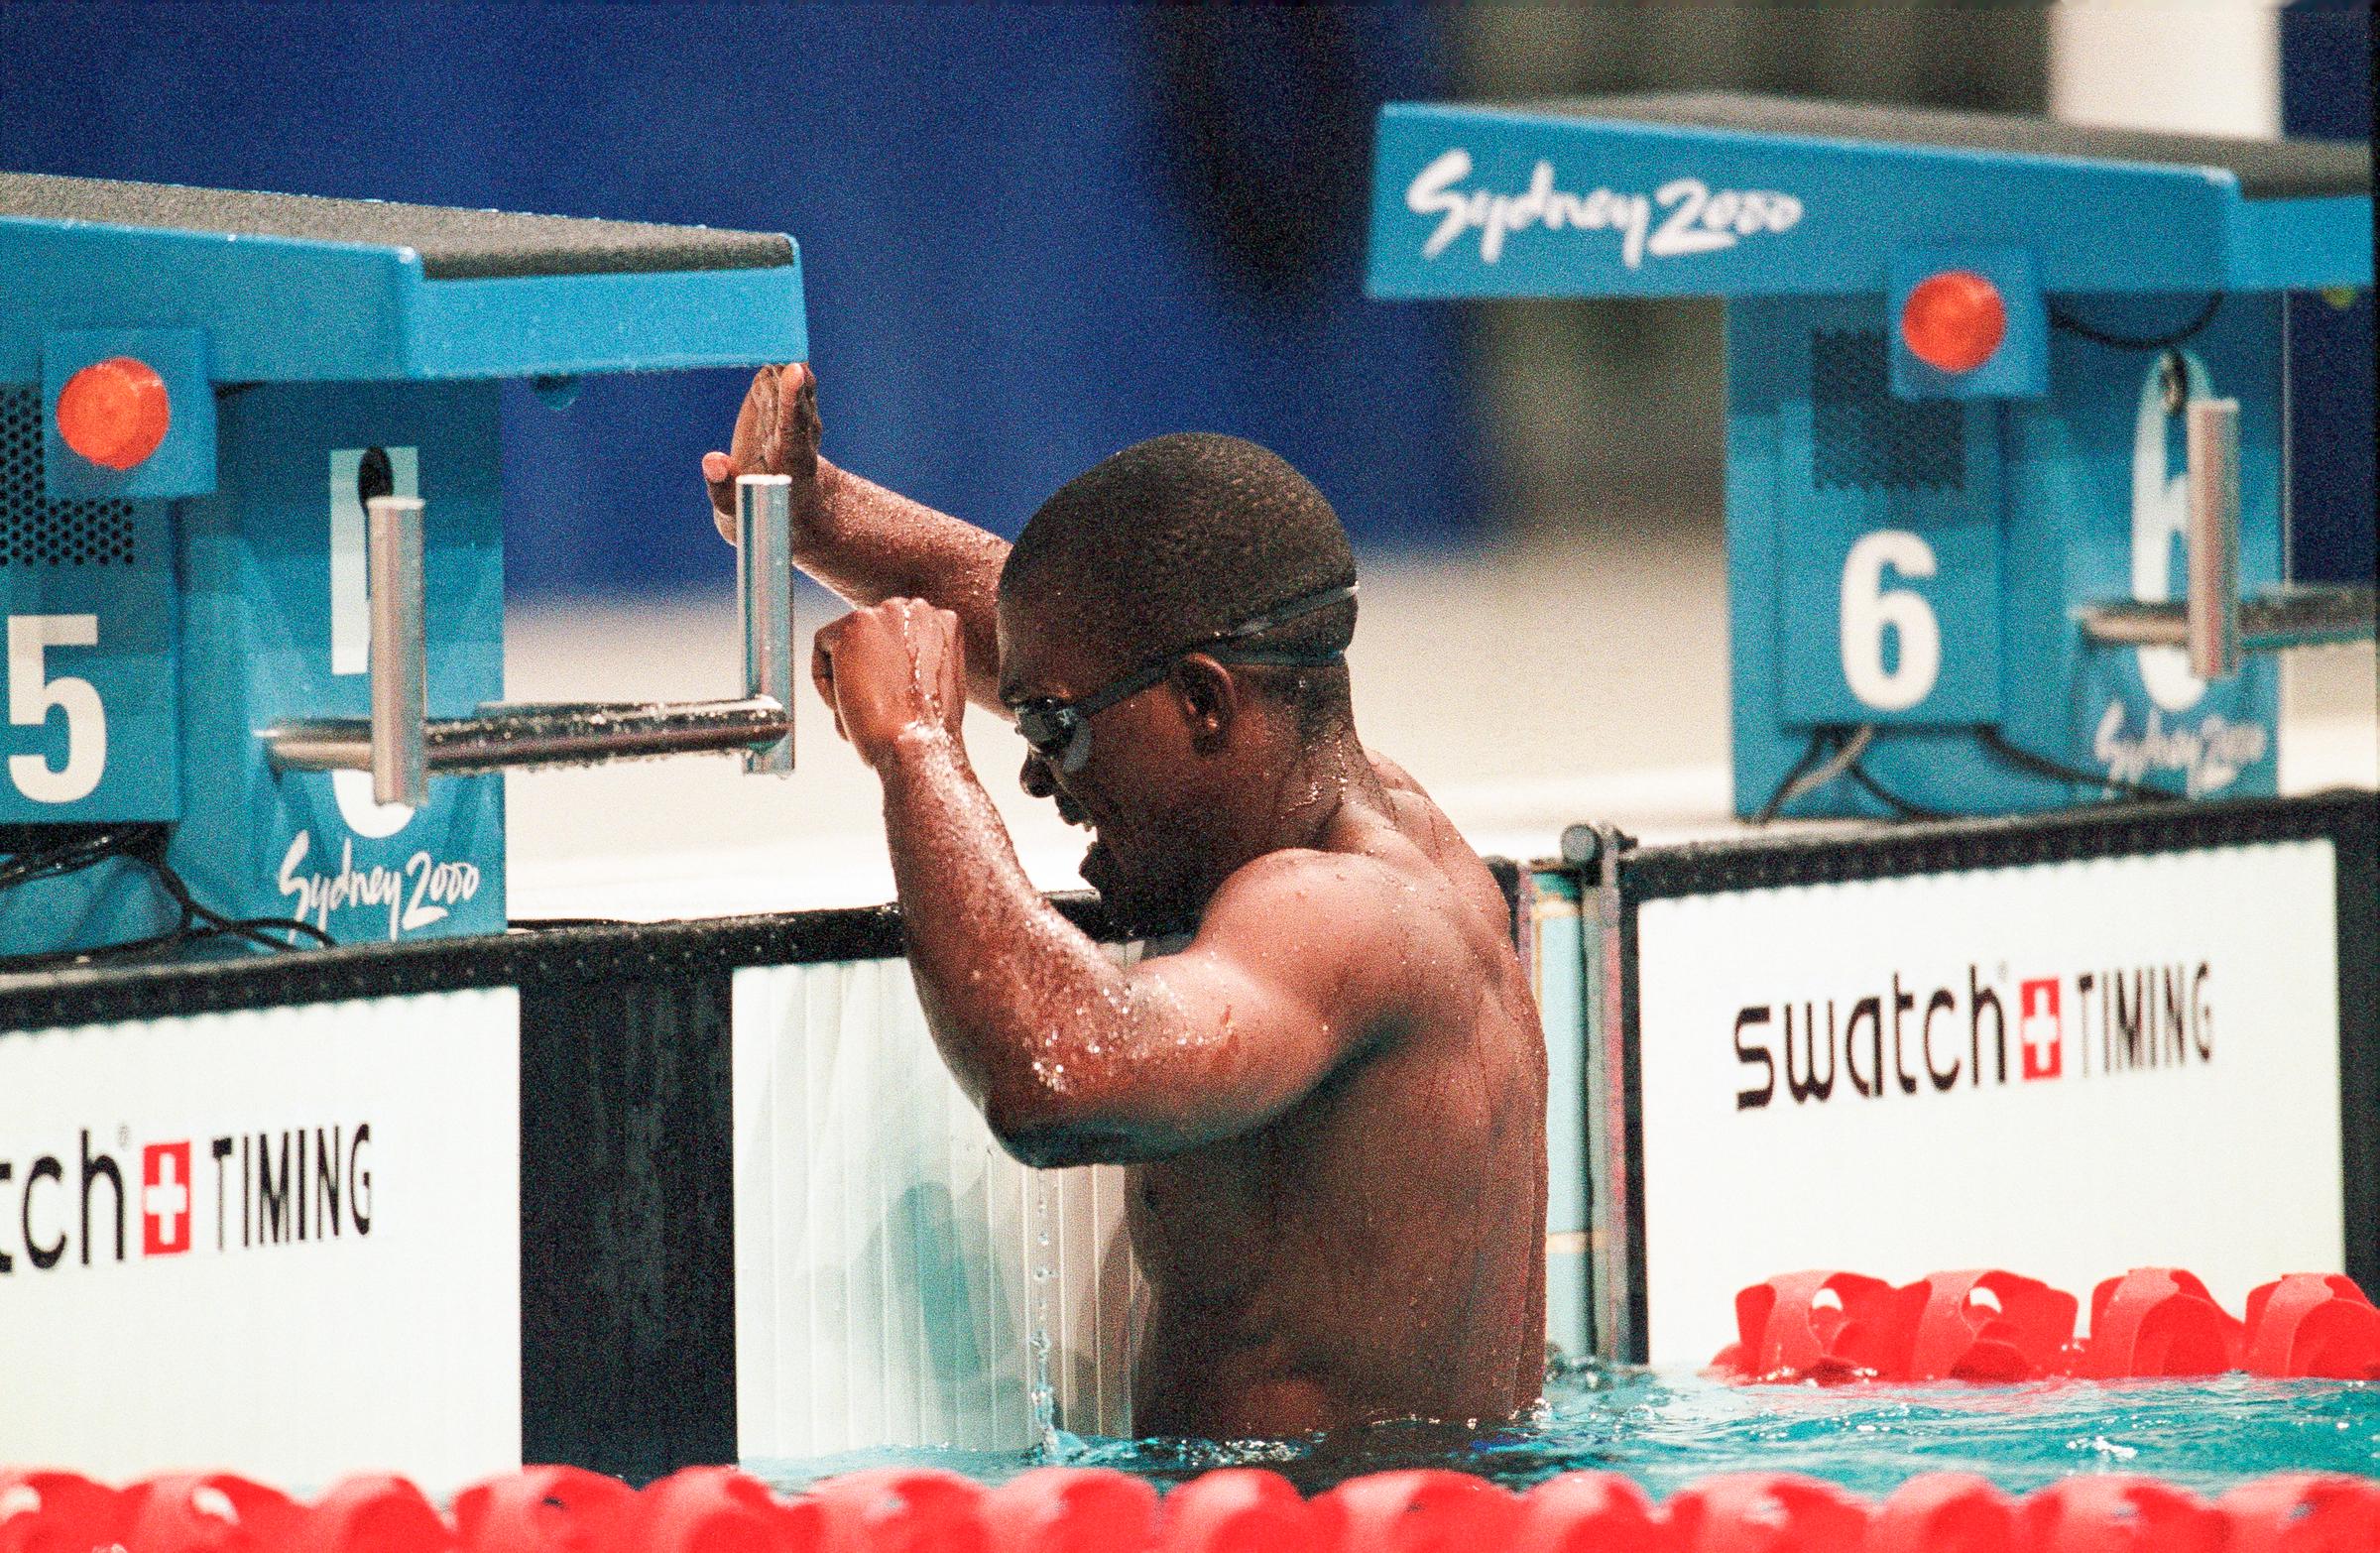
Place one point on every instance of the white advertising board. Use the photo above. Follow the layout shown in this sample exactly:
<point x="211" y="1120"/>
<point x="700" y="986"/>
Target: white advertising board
<point x="2064" y="1069"/>
<point x="281" y="1241"/>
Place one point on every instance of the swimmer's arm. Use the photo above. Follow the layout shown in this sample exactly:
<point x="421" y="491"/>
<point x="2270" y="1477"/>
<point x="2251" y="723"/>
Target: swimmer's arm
<point x="867" y="542"/>
<point x="1076" y="1060"/>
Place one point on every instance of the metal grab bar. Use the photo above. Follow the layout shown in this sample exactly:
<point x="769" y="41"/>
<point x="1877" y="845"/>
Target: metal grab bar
<point x="400" y="745"/>
<point x="2212" y="623"/>
<point x="765" y="598"/>
<point x="2290" y="618"/>
<point x="2211" y="529"/>
<point x="399" y="672"/>
<point x="579" y="733"/>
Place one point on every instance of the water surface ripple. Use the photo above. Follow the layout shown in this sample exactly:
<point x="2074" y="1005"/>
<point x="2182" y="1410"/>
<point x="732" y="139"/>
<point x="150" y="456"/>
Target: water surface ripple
<point x="1666" y="1431"/>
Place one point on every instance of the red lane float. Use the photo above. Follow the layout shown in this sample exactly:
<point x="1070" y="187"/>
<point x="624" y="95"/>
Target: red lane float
<point x="1423" y="1511"/>
<point x="1814" y="1326"/>
<point x="2158" y="1321"/>
<point x="1071" y="1509"/>
<point x="2302" y="1512"/>
<point x="1943" y="1512"/>
<point x="1765" y="1512"/>
<point x="1238" y="1509"/>
<point x="542" y="1509"/>
<point x="1589" y="1513"/>
<point x="209" y="1512"/>
<point x="2118" y="1512"/>
<point x="718" y="1509"/>
<point x="900" y="1509"/>
<point x="374" y="1513"/>
<point x="59" y="1512"/>
<point x="1833" y="1326"/>
<point x="2311" y="1324"/>
<point x="1987" y="1325"/>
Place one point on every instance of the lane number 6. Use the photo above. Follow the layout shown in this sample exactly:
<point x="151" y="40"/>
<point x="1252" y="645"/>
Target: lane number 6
<point x="1869" y="609"/>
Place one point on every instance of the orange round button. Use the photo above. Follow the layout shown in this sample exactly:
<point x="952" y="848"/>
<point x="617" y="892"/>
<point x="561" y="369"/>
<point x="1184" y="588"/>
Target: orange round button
<point x="114" y="412"/>
<point x="1954" y="320"/>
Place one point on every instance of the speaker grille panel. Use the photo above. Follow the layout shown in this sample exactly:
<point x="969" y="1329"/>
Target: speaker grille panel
<point x="1868" y="440"/>
<point x="37" y="532"/>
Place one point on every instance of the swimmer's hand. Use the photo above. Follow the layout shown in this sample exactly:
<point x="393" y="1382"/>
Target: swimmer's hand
<point x="776" y="432"/>
<point x="891" y="671"/>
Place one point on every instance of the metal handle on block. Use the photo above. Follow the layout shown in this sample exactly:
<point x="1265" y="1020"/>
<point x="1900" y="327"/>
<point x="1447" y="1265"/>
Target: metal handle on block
<point x="765" y="594"/>
<point x="2210" y="610"/>
<point x="401" y="746"/>
<point x="399" y="675"/>
<point x="2213" y="624"/>
<point x="572" y="733"/>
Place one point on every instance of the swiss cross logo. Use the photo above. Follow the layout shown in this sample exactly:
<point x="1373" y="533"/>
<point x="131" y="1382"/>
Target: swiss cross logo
<point x="2041" y="1029"/>
<point x="165" y="1199"/>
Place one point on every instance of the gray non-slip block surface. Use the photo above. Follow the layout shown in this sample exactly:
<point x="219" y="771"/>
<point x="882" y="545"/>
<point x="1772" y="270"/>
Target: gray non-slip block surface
<point x="454" y="244"/>
<point x="2266" y="169"/>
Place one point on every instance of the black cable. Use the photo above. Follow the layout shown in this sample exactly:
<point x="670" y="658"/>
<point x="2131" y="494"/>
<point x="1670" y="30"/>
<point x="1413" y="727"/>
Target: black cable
<point x="143" y="844"/>
<point x="1828" y="738"/>
<point x="1821" y="741"/>
<point x="2042" y="766"/>
<point x="1902" y="808"/>
<point x="251" y="928"/>
<point x="78" y="850"/>
<point x="2059" y="318"/>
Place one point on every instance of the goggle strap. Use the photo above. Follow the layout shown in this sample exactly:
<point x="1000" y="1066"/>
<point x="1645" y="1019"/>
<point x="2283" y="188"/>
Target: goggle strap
<point x="1282" y="614"/>
<point x="1277" y="658"/>
<point x="1220" y="646"/>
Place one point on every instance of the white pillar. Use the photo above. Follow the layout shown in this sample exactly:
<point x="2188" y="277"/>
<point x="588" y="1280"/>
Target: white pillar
<point x="2200" y="67"/>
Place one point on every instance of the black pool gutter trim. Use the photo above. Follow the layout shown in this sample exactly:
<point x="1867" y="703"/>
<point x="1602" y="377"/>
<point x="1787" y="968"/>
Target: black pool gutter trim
<point x="2012" y="841"/>
<point x="640" y="952"/>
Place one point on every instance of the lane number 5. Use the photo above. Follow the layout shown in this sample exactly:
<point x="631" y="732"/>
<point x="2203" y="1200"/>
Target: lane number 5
<point x="33" y="695"/>
<point x="1869" y="609"/>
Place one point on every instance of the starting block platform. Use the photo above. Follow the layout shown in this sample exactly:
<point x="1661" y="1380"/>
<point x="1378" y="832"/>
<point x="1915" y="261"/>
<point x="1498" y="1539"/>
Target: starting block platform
<point x="2007" y="406"/>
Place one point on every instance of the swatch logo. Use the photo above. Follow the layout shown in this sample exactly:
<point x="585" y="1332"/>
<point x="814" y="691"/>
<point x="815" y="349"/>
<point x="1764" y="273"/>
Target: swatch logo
<point x="274" y="1188"/>
<point x="1908" y="1039"/>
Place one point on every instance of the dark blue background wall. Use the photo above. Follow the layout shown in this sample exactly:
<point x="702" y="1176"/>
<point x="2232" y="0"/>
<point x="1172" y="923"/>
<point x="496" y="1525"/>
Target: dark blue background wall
<point x="1032" y="235"/>
<point x="2327" y="91"/>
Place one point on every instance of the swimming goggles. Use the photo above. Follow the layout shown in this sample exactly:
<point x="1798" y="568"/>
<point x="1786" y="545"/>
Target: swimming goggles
<point x="1061" y="731"/>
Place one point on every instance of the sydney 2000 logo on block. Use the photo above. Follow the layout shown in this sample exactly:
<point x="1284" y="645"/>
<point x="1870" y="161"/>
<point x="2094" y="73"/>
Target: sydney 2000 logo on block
<point x="1683" y="215"/>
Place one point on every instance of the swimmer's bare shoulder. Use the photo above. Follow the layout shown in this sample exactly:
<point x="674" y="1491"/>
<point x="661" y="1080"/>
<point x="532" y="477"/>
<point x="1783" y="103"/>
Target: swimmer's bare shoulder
<point x="1426" y="825"/>
<point x="1302" y="959"/>
<point x="1309" y="958"/>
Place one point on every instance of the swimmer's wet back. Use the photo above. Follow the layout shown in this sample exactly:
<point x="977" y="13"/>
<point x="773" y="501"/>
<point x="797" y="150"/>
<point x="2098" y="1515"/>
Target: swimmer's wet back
<point x="249" y="489"/>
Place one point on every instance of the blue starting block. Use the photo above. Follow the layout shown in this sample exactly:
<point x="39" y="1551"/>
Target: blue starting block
<point x="2006" y="416"/>
<point x="251" y="557"/>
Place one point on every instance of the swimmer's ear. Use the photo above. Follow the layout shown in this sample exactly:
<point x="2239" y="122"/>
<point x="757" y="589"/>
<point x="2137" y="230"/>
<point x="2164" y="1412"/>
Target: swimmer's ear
<point x="1209" y="698"/>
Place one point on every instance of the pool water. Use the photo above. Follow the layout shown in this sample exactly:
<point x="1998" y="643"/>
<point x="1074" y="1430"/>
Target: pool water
<point x="1668" y="1429"/>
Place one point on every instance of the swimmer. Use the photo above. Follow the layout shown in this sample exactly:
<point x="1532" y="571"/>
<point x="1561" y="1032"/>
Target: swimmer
<point x="1326" y="1076"/>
